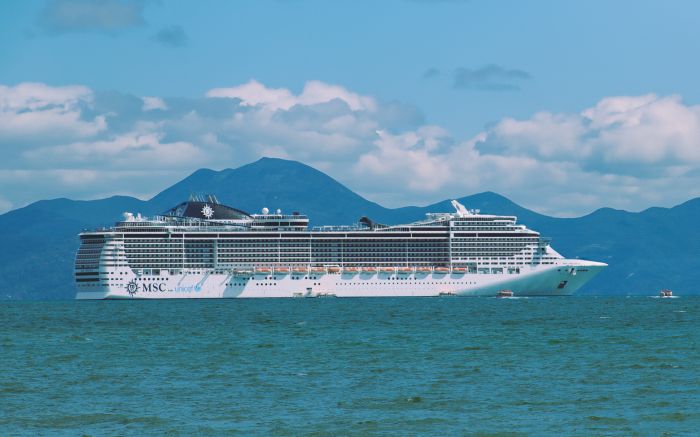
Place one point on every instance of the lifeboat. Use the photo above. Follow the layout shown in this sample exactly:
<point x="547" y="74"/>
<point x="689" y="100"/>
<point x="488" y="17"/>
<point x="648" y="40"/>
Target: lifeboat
<point x="283" y="270"/>
<point x="665" y="293"/>
<point x="319" y="270"/>
<point x="424" y="269"/>
<point x="447" y="294"/>
<point x="387" y="270"/>
<point x="333" y="269"/>
<point x="299" y="271"/>
<point x="459" y="270"/>
<point x="243" y="272"/>
<point x="369" y="269"/>
<point x="405" y="270"/>
<point x="352" y="270"/>
<point x="504" y="293"/>
<point x="442" y="270"/>
<point x="263" y="270"/>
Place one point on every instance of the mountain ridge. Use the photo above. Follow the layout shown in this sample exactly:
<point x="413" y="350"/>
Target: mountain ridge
<point x="41" y="238"/>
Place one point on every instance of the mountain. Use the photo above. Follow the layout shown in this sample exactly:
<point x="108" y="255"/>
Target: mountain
<point x="653" y="249"/>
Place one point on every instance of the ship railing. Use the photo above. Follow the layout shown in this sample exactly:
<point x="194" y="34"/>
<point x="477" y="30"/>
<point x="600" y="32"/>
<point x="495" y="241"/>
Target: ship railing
<point x="334" y="228"/>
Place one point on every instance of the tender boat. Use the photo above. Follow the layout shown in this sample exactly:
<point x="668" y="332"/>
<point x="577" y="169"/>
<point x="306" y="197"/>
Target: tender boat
<point x="319" y="270"/>
<point x="504" y="293"/>
<point x="387" y="270"/>
<point x="424" y="269"/>
<point x="369" y="269"/>
<point x="299" y="271"/>
<point x="442" y="270"/>
<point x="459" y="270"/>
<point x="263" y="270"/>
<point x="352" y="270"/>
<point x="283" y="270"/>
<point x="333" y="269"/>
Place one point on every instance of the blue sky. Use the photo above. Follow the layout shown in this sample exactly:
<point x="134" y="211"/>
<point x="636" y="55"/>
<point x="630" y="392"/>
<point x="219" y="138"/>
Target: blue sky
<point x="562" y="106"/>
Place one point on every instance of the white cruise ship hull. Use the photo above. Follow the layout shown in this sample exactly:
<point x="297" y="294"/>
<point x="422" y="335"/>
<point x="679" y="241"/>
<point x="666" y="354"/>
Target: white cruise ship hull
<point x="550" y="280"/>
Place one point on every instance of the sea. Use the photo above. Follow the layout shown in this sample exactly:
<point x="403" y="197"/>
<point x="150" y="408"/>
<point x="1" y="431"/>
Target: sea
<point x="327" y="367"/>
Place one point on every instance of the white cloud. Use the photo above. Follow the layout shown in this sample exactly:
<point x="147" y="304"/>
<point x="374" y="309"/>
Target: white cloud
<point x="151" y="103"/>
<point x="133" y="150"/>
<point x="634" y="133"/>
<point x="254" y="93"/>
<point x="35" y="111"/>
<point x="625" y="152"/>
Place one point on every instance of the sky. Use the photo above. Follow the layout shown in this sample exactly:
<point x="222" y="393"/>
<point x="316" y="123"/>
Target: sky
<point x="564" y="107"/>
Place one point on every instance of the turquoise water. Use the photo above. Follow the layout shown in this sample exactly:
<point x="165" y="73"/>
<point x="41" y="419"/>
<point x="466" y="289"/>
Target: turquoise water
<point x="448" y="366"/>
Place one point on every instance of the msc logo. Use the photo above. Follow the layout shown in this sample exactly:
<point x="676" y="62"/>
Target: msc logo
<point x="133" y="287"/>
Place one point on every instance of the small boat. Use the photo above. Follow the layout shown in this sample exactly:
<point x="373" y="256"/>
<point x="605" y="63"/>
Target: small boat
<point x="442" y="270"/>
<point x="326" y="295"/>
<point x="299" y="271"/>
<point x="283" y="270"/>
<point x="320" y="270"/>
<point x="263" y="270"/>
<point x="459" y="270"/>
<point x="333" y="269"/>
<point x="243" y="272"/>
<point x="405" y="270"/>
<point x="447" y="294"/>
<point x="387" y="270"/>
<point x="424" y="269"/>
<point x="369" y="269"/>
<point x="665" y="293"/>
<point x="352" y="270"/>
<point x="504" y="293"/>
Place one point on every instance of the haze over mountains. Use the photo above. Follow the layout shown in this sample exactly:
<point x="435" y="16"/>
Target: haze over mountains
<point x="653" y="249"/>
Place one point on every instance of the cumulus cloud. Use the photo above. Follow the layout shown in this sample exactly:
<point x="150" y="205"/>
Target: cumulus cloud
<point x="151" y="103"/>
<point x="63" y="16"/>
<point x="171" y="36"/>
<point x="254" y="93"/>
<point x="133" y="150"/>
<point x="31" y="112"/>
<point x="638" y="135"/>
<point x="626" y="152"/>
<point x="490" y="77"/>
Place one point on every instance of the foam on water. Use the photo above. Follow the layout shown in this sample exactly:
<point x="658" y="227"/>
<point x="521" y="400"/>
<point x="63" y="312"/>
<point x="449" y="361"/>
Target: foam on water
<point x="351" y="366"/>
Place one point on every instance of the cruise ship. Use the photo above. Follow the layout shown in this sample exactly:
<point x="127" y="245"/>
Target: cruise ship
<point x="204" y="249"/>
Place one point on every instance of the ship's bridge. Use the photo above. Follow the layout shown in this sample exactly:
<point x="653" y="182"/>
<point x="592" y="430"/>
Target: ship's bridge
<point x="279" y="221"/>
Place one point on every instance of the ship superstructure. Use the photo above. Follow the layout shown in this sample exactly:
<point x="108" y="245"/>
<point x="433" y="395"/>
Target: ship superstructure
<point x="204" y="249"/>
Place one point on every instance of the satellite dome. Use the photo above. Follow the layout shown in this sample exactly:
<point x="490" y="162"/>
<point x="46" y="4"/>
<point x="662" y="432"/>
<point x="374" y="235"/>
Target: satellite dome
<point x="265" y="211"/>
